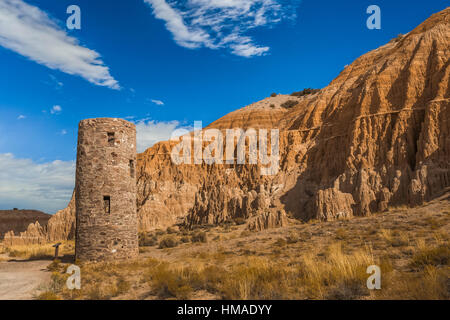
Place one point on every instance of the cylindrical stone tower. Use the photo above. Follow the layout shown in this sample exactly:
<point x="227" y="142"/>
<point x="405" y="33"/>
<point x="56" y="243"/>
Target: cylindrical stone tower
<point x="105" y="190"/>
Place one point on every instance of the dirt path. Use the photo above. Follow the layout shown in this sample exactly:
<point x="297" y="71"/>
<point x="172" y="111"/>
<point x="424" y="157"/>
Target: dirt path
<point x="19" y="280"/>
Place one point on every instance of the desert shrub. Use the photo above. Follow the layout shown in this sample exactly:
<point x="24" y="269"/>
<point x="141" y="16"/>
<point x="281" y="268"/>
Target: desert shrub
<point x="429" y="284"/>
<point x="169" y="282"/>
<point x="185" y="239"/>
<point x="168" y="242"/>
<point x="272" y="106"/>
<point x="159" y="232"/>
<point x="289" y="104"/>
<point x="431" y="257"/>
<point x="273" y="95"/>
<point x="147" y="240"/>
<point x="259" y="279"/>
<point x="304" y="92"/>
<point x="200" y="237"/>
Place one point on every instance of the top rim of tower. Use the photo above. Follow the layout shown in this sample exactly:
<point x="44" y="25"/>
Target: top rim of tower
<point x="92" y="121"/>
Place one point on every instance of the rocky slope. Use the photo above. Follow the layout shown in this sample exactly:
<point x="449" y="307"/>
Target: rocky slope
<point x="377" y="136"/>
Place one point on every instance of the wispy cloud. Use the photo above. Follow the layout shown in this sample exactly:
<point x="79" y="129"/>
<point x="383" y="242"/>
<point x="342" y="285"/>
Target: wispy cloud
<point x="56" y="109"/>
<point x="150" y="132"/>
<point x="32" y="33"/>
<point x="222" y="23"/>
<point x="20" y="117"/>
<point x="30" y="185"/>
<point x="63" y="132"/>
<point x="157" y="102"/>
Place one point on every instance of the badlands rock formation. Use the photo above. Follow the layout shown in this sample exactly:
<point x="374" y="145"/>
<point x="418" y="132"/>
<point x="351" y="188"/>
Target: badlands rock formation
<point x="61" y="226"/>
<point x="20" y="219"/>
<point x="377" y="136"/>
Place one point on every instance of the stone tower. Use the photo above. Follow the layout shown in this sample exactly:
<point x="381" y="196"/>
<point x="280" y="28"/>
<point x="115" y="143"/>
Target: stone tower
<point x="105" y="190"/>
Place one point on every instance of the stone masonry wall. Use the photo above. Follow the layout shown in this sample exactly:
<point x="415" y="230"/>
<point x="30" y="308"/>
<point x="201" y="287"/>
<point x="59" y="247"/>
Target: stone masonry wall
<point x="105" y="190"/>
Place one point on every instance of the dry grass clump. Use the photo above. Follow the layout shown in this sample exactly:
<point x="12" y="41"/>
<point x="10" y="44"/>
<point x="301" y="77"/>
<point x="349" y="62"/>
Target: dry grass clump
<point x="55" y="265"/>
<point x="99" y="281"/>
<point x="48" y="295"/>
<point x="430" y="284"/>
<point x="337" y="275"/>
<point x="38" y="251"/>
<point x="437" y="256"/>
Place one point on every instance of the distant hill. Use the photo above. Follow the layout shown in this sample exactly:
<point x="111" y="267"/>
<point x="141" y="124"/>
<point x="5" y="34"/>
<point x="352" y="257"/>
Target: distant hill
<point x="18" y="220"/>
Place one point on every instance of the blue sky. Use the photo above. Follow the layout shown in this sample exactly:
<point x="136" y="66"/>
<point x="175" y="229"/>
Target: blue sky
<point x="162" y="64"/>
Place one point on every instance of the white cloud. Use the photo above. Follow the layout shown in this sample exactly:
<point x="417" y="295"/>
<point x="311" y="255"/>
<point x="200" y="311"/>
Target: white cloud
<point x="63" y="132"/>
<point x="157" y="102"/>
<point x="56" y="109"/>
<point x="221" y="23"/>
<point x="150" y="132"/>
<point x="21" y="117"/>
<point x="29" y="185"/>
<point x="32" y="33"/>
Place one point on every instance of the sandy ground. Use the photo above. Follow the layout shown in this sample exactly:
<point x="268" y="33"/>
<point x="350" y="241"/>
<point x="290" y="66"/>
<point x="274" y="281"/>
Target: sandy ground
<point x="20" y="280"/>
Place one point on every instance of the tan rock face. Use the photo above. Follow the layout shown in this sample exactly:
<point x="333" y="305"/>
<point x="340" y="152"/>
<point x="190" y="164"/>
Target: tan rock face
<point x="377" y="136"/>
<point x="267" y="220"/>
